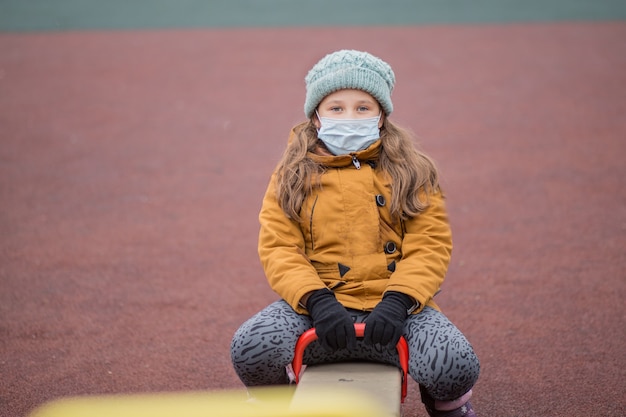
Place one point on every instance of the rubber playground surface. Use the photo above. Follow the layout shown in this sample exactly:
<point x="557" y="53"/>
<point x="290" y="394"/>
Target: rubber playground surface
<point x="136" y="144"/>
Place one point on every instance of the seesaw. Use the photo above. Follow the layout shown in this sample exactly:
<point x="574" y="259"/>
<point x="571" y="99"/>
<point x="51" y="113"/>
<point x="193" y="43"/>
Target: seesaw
<point x="351" y="389"/>
<point x="384" y="383"/>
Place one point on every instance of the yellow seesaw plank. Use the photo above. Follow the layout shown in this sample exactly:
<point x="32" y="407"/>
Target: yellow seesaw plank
<point x="267" y="402"/>
<point x="380" y="383"/>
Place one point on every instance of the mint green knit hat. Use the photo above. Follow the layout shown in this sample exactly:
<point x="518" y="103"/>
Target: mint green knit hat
<point x="349" y="69"/>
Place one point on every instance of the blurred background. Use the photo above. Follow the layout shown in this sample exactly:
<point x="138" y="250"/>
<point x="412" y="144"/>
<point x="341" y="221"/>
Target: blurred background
<point x="117" y="14"/>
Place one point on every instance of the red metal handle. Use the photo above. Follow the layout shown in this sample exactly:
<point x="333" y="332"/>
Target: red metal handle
<point x="309" y="336"/>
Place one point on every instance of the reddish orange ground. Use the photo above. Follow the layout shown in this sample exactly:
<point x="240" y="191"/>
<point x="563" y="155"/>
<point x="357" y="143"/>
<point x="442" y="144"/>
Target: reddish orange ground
<point x="132" y="165"/>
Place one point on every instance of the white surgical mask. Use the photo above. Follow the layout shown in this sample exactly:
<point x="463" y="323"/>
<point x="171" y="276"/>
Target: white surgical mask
<point x="343" y="136"/>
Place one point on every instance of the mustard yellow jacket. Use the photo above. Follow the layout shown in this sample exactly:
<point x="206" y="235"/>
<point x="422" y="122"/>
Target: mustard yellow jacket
<point x="347" y="241"/>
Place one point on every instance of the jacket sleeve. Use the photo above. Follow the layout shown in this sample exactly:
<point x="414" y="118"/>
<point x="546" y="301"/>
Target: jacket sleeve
<point x="426" y="250"/>
<point x="282" y="252"/>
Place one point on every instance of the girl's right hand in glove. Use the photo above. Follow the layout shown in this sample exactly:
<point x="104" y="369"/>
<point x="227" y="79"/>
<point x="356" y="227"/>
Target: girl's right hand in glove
<point x="333" y="325"/>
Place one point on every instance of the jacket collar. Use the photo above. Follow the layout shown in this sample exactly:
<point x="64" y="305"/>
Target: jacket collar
<point x="344" y="160"/>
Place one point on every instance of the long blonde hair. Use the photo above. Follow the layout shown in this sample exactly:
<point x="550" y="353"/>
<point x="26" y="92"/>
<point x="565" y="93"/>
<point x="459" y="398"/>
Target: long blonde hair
<point x="413" y="174"/>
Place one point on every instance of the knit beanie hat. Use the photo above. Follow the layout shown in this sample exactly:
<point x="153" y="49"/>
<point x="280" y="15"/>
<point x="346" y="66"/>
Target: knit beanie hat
<point x="349" y="69"/>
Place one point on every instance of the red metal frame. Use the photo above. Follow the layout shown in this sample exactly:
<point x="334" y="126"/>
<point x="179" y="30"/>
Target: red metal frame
<point x="309" y="336"/>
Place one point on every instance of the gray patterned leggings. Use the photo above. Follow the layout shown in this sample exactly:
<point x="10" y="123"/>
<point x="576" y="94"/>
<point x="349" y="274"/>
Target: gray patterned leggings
<point x="441" y="360"/>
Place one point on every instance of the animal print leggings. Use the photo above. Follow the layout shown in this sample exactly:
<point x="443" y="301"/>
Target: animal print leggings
<point x="441" y="360"/>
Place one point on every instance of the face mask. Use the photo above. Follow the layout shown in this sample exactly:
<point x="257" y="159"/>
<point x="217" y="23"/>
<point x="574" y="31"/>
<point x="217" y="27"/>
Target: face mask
<point x="343" y="136"/>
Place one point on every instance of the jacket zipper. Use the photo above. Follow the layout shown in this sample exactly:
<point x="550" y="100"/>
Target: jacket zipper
<point x="356" y="162"/>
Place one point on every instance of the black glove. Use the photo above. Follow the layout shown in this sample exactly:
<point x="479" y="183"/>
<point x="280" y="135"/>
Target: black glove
<point x="384" y="324"/>
<point x="333" y="325"/>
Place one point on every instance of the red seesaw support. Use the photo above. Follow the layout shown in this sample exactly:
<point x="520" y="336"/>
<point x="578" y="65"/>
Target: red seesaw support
<point x="309" y="336"/>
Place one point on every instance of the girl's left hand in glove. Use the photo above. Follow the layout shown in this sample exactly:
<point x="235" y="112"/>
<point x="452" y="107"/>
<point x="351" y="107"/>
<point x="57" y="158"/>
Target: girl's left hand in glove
<point x="384" y="324"/>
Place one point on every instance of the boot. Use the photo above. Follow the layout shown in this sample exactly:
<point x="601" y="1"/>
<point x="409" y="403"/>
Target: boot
<point x="458" y="408"/>
<point x="465" y="410"/>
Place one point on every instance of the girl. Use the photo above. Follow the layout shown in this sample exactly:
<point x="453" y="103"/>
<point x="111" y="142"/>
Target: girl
<point x="354" y="229"/>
